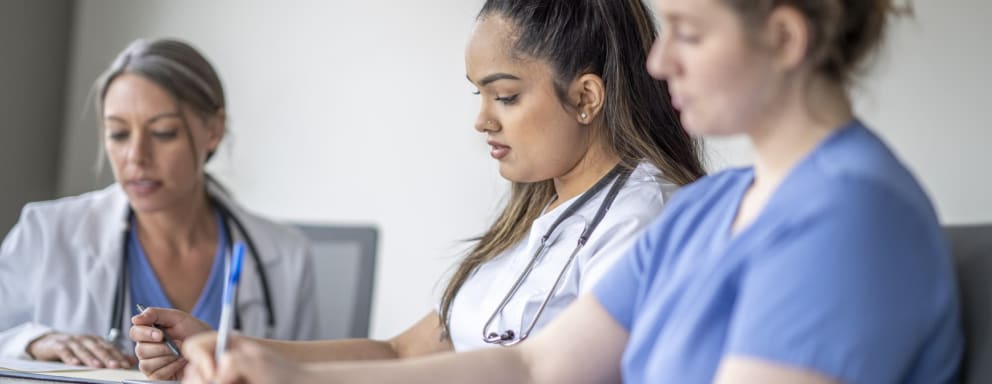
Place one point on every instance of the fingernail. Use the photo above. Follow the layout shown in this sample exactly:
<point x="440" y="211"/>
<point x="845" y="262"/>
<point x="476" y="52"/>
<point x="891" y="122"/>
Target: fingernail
<point x="156" y="335"/>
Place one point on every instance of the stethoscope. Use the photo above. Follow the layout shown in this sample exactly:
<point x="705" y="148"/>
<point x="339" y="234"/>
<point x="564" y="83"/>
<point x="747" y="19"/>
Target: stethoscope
<point x="114" y="334"/>
<point x="509" y="337"/>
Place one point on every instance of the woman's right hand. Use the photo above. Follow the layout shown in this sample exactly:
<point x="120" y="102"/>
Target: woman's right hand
<point x="88" y="350"/>
<point x="155" y="359"/>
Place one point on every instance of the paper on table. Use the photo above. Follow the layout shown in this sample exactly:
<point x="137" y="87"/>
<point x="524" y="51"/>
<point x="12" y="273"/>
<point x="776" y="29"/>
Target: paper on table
<point x="115" y="375"/>
<point x="86" y="374"/>
<point x="38" y="366"/>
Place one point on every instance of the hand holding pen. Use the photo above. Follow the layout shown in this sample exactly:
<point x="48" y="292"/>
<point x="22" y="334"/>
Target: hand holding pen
<point x="150" y="331"/>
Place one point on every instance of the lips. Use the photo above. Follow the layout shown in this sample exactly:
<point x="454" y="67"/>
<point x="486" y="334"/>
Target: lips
<point x="499" y="150"/>
<point x="142" y="187"/>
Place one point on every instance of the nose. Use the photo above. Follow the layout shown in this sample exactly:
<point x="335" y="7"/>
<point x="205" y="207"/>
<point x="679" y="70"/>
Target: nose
<point x="486" y="124"/>
<point x="139" y="149"/>
<point x="661" y="64"/>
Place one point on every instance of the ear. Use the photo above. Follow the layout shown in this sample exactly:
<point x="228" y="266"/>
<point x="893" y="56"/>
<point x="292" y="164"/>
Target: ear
<point x="216" y="127"/>
<point x="588" y="94"/>
<point x="787" y="34"/>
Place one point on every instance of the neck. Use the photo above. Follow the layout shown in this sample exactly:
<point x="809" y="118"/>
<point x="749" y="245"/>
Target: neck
<point x="801" y="123"/>
<point x="178" y="229"/>
<point x="593" y="166"/>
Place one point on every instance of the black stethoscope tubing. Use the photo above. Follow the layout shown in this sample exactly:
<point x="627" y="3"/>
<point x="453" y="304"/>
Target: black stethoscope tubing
<point x="117" y="314"/>
<point x="618" y="176"/>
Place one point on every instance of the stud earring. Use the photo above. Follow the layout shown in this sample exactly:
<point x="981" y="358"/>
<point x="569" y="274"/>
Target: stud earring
<point x="583" y="116"/>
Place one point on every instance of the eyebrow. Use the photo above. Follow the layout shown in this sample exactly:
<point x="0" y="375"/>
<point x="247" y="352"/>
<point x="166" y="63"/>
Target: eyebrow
<point x="494" y="77"/>
<point x="153" y="119"/>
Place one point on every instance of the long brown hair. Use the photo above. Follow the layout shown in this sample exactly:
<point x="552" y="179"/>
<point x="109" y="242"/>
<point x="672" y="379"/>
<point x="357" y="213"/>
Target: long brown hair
<point x="608" y="38"/>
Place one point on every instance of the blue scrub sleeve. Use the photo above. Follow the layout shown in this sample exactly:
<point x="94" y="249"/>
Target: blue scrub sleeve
<point x="840" y="292"/>
<point x="618" y="290"/>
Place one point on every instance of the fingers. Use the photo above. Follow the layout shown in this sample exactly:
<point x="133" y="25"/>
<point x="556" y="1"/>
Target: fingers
<point x="152" y="350"/>
<point x="145" y="334"/>
<point x="228" y="370"/>
<point x="162" y="316"/>
<point x="86" y="350"/>
<point x="199" y="350"/>
<point x="65" y="354"/>
<point x="163" y="368"/>
<point x="107" y="354"/>
<point x="83" y="354"/>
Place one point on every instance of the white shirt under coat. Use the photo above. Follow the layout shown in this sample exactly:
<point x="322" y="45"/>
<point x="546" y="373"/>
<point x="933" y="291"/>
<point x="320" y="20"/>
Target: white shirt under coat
<point x="60" y="265"/>
<point x="638" y="203"/>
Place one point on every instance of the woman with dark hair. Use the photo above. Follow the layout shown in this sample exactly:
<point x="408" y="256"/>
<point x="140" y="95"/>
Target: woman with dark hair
<point x="73" y="270"/>
<point x="579" y="128"/>
<point x="822" y="263"/>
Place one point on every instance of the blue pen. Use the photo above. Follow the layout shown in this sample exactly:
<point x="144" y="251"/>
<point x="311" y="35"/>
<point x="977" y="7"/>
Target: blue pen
<point x="227" y="310"/>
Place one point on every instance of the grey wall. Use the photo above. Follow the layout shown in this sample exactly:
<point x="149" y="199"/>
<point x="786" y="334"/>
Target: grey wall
<point x="34" y="38"/>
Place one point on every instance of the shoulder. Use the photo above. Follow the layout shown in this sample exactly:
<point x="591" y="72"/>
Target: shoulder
<point x="709" y="189"/>
<point x="855" y="177"/>
<point x="89" y="210"/>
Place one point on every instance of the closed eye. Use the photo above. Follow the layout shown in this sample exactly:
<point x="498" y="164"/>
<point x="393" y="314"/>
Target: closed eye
<point x="507" y="100"/>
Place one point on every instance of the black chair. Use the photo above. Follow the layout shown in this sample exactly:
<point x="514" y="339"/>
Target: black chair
<point x="971" y="246"/>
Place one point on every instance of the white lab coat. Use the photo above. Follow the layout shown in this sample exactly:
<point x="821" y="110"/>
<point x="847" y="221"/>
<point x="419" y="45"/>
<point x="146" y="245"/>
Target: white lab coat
<point x="636" y="206"/>
<point x="59" y="270"/>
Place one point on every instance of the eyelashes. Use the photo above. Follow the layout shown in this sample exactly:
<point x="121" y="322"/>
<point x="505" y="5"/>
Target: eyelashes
<point x="506" y="100"/>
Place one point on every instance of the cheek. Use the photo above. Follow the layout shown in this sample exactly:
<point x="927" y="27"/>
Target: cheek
<point x="116" y="155"/>
<point x="728" y="90"/>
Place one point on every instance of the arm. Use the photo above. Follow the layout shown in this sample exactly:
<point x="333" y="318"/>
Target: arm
<point x="422" y="338"/>
<point x="24" y="249"/>
<point x="560" y="353"/>
<point x="739" y="370"/>
<point x="17" y="273"/>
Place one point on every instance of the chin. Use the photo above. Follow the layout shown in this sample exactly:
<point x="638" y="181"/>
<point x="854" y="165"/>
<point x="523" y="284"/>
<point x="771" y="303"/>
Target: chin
<point x="514" y="175"/>
<point x="147" y="204"/>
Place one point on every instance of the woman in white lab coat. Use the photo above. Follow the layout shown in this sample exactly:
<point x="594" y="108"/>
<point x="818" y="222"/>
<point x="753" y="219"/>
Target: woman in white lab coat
<point x="72" y="270"/>
<point x="577" y="124"/>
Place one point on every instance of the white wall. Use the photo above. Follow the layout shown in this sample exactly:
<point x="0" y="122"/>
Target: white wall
<point x="359" y="112"/>
<point x="928" y="95"/>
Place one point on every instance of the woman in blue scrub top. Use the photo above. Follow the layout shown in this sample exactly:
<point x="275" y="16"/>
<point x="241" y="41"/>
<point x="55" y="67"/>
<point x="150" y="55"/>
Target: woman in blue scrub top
<point x="158" y="236"/>
<point x="822" y="263"/>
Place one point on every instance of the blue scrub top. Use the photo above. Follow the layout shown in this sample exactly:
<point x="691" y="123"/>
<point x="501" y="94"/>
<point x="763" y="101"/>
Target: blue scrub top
<point x="844" y="273"/>
<point x="146" y="289"/>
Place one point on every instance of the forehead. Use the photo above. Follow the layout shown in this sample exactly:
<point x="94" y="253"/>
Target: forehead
<point x="491" y="50"/>
<point x="687" y="8"/>
<point x="135" y="93"/>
